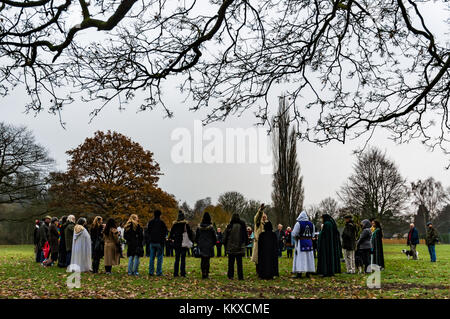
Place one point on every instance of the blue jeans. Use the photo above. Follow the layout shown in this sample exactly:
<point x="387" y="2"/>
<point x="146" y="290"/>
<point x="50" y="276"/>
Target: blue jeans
<point x="432" y="251"/>
<point x="133" y="265"/>
<point x="156" y="249"/>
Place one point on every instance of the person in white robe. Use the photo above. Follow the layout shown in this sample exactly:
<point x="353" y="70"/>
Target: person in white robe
<point x="81" y="249"/>
<point x="303" y="252"/>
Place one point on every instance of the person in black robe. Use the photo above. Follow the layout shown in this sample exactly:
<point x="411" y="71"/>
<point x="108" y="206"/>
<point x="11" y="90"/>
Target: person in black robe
<point x="377" y="245"/>
<point x="329" y="248"/>
<point x="268" y="253"/>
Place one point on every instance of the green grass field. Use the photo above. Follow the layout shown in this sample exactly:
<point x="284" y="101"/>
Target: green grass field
<point x="21" y="277"/>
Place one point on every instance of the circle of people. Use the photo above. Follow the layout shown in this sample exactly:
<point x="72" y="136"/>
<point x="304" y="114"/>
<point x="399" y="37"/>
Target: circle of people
<point x="79" y="248"/>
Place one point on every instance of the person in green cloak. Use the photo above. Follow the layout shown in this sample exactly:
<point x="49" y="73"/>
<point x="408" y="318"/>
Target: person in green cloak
<point x="329" y="248"/>
<point x="377" y="245"/>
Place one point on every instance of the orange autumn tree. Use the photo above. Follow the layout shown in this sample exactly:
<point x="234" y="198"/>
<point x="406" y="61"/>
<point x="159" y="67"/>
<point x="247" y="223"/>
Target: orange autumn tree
<point x="112" y="176"/>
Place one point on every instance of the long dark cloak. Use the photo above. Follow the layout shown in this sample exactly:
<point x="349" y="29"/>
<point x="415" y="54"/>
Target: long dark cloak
<point x="377" y="248"/>
<point x="268" y="253"/>
<point x="329" y="249"/>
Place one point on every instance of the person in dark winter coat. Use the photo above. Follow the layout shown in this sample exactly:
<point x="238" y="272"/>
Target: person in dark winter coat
<point x="68" y="236"/>
<point x="280" y="237"/>
<point x="97" y="242"/>
<point x="364" y="245"/>
<point x="134" y="236"/>
<point x="219" y="242"/>
<point x="43" y="236"/>
<point x="169" y="246"/>
<point x="206" y="240"/>
<point x="235" y="240"/>
<point x="176" y="234"/>
<point x="62" y="253"/>
<point x="268" y="253"/>
<point x="413" y="240"/>
<point x="377" y="244"/>
<point x="53" y="241"/>
<point x="349" y="244"/>
<point x="329" y="248"/>
<point x="288" y="242"/>
<point x="431" y="239"/>
<point x="36" y="241"/>
<point x="146" y="242"/>
<point x="157" y="232"/>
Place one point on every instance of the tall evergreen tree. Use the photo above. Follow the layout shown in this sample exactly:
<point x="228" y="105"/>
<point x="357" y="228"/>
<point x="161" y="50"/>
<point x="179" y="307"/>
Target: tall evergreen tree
<point x="288" y="192"/>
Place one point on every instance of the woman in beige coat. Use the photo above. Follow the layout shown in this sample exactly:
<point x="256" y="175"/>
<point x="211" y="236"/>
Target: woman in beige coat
<point x="260" y="220"/>
<point x="112" y="251"/>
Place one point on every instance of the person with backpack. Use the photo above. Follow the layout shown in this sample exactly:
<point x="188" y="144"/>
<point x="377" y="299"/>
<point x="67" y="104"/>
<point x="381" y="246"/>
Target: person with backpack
<point x="235" y="241"/>
<point x="134" y="235"/>
<point x="206" y="240"/>
<point x="98" y="244"/>
<point x="182" y="237"/>
<point x="349" y="244"/>
<point x="157" y="232"/>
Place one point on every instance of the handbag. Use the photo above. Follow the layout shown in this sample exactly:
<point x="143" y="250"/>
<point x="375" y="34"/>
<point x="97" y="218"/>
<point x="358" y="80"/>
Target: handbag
<point x="196" y="252"/>
<point x="46" y="249"/>
<point x="186" y="243"/>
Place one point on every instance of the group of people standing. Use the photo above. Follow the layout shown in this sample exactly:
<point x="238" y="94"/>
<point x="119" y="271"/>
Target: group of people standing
<point x="81" y="248"/>
<point x="431" y="239"/>
<point x="365" y="250"/>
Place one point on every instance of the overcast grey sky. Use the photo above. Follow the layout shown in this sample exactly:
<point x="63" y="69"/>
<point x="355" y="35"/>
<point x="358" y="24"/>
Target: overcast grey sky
<point x="324" y="169"/>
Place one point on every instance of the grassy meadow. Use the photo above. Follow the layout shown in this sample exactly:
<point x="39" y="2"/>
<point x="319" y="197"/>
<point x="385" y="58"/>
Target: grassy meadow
<point x="21" y="277"/>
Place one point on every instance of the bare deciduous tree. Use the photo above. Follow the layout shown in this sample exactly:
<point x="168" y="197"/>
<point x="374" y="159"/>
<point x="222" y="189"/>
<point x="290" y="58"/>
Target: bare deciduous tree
<point x="375" y="188"/>
<point x="431" y="195"/>
<point x="352" y="66"/>
<point x="288" y="192"/>
<point x="329" y="206"/>
<point x="24" y="165"/>
<point x="232" y="202"/>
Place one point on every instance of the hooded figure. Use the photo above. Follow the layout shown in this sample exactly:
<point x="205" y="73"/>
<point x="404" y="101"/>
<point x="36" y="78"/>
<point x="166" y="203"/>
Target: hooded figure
<point x="329" y="248"/>
<point x="268" y="253"/>
<point x="81" y="250"/>
<point x="304" y="254"/>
